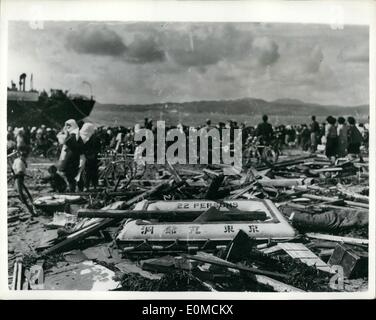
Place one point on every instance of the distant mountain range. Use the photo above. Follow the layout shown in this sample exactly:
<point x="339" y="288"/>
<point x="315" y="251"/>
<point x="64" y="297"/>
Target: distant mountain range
<point x="246" y="106"/>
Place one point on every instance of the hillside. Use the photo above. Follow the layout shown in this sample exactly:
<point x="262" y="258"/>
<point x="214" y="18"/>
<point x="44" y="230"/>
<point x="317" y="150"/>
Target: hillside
<point x="243" y="106"/>
<point x="197" y="111"/>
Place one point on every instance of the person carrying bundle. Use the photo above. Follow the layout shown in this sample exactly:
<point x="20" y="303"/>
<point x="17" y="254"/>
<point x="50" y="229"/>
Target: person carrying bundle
<point x="91" y="148"/>
<point x="71" y="152"/>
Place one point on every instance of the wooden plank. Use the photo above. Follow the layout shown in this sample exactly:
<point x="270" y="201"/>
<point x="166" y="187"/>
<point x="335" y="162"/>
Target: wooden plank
<point x="333" y="199"/>
<point x="212" y="173"/>
<point x="146" y="194"/>
<point x="276" y="285"/>
<point x="15" y="273"/>
<point x="304" y="254"/>
<point x="284" y="182"/>
<point x="271" y="250"/>
<point x="19" y="276"/>
<point x="184" y="171"/>
<point x="352" y="195"/>
<point x="332" y="169"/>
<point x="239" y="193"/>
<point x="349" y="240"/>
<point x="287" y="163"/>
<point x="173" y="172"/>
<point x="301" y="252"/>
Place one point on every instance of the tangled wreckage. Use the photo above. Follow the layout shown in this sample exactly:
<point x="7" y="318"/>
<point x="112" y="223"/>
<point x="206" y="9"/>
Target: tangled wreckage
<point x="291" y="226"/>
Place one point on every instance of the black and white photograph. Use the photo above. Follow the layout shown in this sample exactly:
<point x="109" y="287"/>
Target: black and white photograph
<point x="179" y="156"/>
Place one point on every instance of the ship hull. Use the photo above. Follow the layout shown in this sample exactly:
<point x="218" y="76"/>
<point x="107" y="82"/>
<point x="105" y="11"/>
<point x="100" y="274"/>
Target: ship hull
<point x="52" y="113"/>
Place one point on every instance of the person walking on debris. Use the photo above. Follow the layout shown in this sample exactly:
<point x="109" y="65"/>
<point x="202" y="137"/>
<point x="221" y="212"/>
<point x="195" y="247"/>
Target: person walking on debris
<point x="91" y="148"/>
<point x="342" y="137"/>
<point x="331" y="139"/>
<point x="264" y="131"/>
<point x="20" y="139"/>
<point x="305" y="138"/>
<point x="56" y="181"/>
<point x="70" y="153"/>
<point x="41" y="141"/>
<point x="315" y="132"/>
<point x="354" y="139"/>
<point x="19" y="172"/>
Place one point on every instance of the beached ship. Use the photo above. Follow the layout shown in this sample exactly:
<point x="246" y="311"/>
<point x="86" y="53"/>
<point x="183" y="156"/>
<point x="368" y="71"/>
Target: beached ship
<point x="33" y="108"/>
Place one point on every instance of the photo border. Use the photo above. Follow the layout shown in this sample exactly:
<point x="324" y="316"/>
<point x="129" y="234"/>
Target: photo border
<point x="319" y="12"/>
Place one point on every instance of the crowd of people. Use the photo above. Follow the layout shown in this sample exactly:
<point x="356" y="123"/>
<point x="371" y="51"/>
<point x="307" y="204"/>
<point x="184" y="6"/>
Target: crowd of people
<point x="341" y="137"/>
<point x="78" y="160"/>
<point x="35" y="139"/>
<point x="81" y="144"/>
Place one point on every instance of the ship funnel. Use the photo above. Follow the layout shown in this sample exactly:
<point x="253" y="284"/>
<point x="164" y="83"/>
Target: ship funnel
<point x="22" y="81"/>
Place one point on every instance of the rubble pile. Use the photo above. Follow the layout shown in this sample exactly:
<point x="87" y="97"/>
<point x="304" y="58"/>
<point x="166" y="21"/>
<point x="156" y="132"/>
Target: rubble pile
<point x="300" y="224"/>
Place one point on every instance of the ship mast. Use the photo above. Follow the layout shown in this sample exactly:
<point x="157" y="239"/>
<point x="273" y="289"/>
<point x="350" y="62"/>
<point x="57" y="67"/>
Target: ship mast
<point x="89" y="85"/>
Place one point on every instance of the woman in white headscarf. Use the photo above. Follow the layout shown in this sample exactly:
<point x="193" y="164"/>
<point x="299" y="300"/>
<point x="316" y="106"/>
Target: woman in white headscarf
<point x="20" y="139"/>
<point x="70" y="153"/>
<point x="91" y="148"/>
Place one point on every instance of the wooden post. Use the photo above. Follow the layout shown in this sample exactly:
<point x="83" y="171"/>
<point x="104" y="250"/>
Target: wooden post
<point x="15" y="273"/>
<point x="19" y="276"/>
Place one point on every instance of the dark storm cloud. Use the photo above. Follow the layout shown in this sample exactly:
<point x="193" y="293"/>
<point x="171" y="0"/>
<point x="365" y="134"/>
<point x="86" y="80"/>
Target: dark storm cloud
<point x="203" y="45"/>
<point x="97" y="41"/>
<point x="102" y="41"/>
<point x="144" y="50"/>
<point x="147" y="62"/>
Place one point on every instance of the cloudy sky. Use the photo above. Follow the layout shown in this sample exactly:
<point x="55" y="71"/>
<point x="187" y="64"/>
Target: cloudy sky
<point x="174" y="62"/>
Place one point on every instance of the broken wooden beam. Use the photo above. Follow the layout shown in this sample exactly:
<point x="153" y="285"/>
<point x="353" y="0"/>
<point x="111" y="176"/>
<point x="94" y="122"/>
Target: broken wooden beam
<point x="19" y="276"/>
<point x="238" y="193"/>
<point x="96" y="192"/>
<point x="147" y="193"/>
<point x="226" y="264"/>
<point x="276" y="285"/>
<point x="79" y="235"/>
<point x="353" y="195"/>
<point x="167" y="215"/>
<point x="348" y="240"/>
<point x="173" y="172"/>
<point x="212" y="173"/>
<point x="312" y="208"/>
<point x="285" y="182"/>
<point x="333" y="199"/>
<point x="15" y="273"/>
<point x="287" y="163"/>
